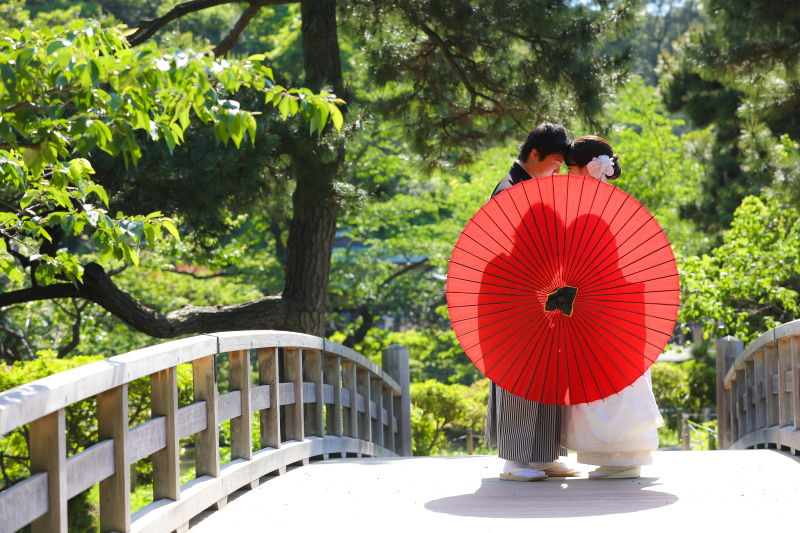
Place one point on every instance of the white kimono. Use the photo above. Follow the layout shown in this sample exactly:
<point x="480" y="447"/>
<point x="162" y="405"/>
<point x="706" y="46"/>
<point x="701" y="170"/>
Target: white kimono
<point x="621" y="430"/>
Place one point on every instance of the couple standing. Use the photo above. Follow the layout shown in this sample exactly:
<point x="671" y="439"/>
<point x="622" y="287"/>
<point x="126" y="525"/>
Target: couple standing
<point x="616" y="434"/>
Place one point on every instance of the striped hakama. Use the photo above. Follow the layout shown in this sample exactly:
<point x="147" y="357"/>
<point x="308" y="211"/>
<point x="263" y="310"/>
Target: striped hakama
<point x="522" y="430"/>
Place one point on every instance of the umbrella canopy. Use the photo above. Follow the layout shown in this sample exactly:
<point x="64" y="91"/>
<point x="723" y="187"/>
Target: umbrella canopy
<point x="563" y="290"/>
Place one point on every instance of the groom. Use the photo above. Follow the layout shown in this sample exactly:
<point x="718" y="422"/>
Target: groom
<point x="526" y="433"/>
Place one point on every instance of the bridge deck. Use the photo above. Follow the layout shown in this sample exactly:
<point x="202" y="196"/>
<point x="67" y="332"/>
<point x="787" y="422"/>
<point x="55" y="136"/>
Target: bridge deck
<point x="737" y="489"/>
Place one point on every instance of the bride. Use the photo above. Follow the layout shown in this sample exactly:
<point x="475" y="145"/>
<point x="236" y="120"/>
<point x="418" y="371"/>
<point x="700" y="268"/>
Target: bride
<point x="619" y="433"/>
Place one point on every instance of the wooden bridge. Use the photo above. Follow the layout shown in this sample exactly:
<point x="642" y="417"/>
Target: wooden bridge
<point x="351" y="419"/>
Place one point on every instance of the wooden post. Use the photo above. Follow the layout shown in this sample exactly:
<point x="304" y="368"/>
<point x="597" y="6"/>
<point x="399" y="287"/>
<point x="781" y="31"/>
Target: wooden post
<point x="749" y="391"/>
<point x="773" y="385"/>
<point x="796" y="380"/>
<point x="376" y="393"/>
<point x="678" y="420"/>
<point x="728" y="349"/>
<point x="395" y="363"/>
<point x="270" y="419"/>
<point x="350" y="415"/>
<point x="470" y="449"/>
<point x="313" y="414"/>
<point x="762" y="388"/>
<point x="365" y="421"/>
<point x="293" y="370"/>
<point x="741" y="403"/>
<point x="712" y="442"/>
<point x="785" y="404"/>
<point x="166" y="462"/>
<point x="685" y="433"/>
<point x="115" y="496"/>
<point x="241" y="426"/>
<point x="388" y="430"/>
<point x="733" y="434"/>
<point x="331" y="375"/>
<point x="48" y="453"/>
<point x="206" y="442"/>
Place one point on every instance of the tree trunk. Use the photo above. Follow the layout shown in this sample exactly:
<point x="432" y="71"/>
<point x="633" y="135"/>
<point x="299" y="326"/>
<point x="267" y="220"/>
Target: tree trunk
<point x="302" y="306"/>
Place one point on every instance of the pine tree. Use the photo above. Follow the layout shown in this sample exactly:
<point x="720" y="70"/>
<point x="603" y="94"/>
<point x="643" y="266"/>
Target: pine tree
<point x="456" y="75"/>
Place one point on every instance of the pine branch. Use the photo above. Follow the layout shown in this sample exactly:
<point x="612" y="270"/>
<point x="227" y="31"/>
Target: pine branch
<point x="229" y="41"/>
<point x="149" y="27"/>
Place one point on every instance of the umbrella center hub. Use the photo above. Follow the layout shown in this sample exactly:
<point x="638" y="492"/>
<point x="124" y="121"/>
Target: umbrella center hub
<point x="561" y="299"/>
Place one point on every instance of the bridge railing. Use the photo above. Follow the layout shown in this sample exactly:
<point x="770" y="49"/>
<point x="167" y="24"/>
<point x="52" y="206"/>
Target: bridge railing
<point x="758" y="391"/>
<point x="336" y="402"/>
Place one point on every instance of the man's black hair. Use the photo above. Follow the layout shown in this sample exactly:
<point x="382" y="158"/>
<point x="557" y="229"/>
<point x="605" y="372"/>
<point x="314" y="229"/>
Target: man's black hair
<point x="546" y="139"/>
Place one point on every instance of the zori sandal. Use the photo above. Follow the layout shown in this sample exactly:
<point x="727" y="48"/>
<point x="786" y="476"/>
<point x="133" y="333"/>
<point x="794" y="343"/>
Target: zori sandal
<point x="511" y="475"/>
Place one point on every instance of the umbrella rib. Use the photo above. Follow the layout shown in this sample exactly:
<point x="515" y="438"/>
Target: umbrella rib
<point x="596" y="305"/>
<point x="578" y="365"/>
<point x="583" y="256"/>
<point x="481" y="293"/>
<point x="528" y="259"/>
<point x="525" y="272"/>
<point x="558" y="359"/>
<point x="585" y="223"/>
<point x="524" y="366"/>
<point x="617" y="248"/>
<point x="586" y="260"/>
<point x="582" y="271"/>
<point x="512" y="281"/>
<point x="591" y="289"/>
<point x="491" y="324"/>
<point x="482" y="357"/>
<point x="595" y="290"/>
<point x="495" y="312"/>
<point x="519" y="353"/>
<point x="555" y="225"/>
<point x="589" y="239"/>
<point x="618" y="271"/>
<point x="492" y="303"/>
<point x="528" y="231"/>
<point x="583" y="325"/>
<point x="596" y="273"/>
<point x="529" y="268"/>
<point x="524" y="281"/>
<point x="619" y="268"/>
<point x="546" y="368"/>
<point x="486" y="283"/>
<point x="549" y="252"/>
<point x="623" y="301"/>
<point x="639" y="292"/>
<point x="597" y="317"/>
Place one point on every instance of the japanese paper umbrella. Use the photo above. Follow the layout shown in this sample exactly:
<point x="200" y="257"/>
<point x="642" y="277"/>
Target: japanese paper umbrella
<point x="563" y="290"/>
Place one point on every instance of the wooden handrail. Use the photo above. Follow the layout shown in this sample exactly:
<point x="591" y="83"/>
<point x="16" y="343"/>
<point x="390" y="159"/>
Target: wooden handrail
<point x="758" y="391"/>
<point x="325" y="381"/>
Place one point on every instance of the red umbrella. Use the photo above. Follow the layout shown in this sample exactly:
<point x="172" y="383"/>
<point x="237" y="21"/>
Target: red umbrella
<point x="563" y="290"/>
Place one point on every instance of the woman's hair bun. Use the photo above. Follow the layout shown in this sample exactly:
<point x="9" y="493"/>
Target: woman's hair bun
<point x="585" y="148"/>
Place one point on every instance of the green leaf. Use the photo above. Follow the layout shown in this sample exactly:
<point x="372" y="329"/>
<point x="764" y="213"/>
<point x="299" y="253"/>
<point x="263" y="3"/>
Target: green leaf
<point x="171" y="228"/>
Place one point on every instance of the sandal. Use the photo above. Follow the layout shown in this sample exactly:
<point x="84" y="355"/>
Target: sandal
<point x="511" y="477"/>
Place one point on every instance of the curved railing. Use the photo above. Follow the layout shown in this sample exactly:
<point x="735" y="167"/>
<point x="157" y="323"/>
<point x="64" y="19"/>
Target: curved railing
<point x="758" y="391"/>
<point x="336" y="402"/>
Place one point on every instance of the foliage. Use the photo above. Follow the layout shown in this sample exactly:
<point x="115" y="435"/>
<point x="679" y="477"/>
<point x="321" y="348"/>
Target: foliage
<point x="703" y="436"/>
<point x="81" y="422"/>
<point x="739" y="71"/>
<point x="461" y="76"/>
<point x="67" y="91"/>
<point x="689" y="385"/>
<point x="437" y="407"/>
<point x="750" y="283"/>
<point x="659" y="168"/>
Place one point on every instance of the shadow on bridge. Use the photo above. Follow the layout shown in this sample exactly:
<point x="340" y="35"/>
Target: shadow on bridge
<point x="555" y="498"/>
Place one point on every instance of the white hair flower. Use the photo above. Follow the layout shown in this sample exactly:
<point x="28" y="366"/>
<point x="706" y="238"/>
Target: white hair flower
<point x="601" y="167"/>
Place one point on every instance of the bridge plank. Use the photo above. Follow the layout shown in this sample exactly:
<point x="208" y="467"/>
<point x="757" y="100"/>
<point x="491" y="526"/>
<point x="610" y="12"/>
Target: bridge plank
<point x="332" y="393"/>
<point x="270" y="415"/>
<point x="349" y="399"/>
<point x="24" y="502"/>
<point x="146" y="439"/>
<point x="91" y="466"/>
<point x="34" y="400"/>
<point x="241" y="424"/>
<point x="115" y="495"/>
<point x="293" y="370"/>
<point x="191" y="419"/>
<point x="48" y="453"/>
<point x="259" y="398"/>
<point x="166" y="461"/>
<point x="206" y="442"/>
<point x="229" y="406"/>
